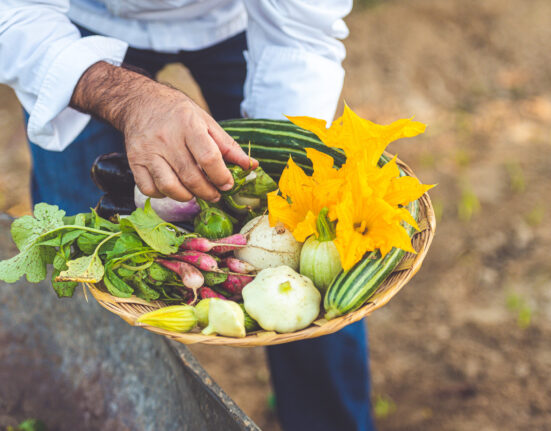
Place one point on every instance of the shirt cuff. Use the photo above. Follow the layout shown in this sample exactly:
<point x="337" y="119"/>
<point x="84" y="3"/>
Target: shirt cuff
<point x="53" y="125"/>
<point x="289" y="81"/>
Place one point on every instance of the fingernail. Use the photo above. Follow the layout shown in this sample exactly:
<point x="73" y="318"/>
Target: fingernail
<point x="216" y="199"/>
<point x="226" y="187"/>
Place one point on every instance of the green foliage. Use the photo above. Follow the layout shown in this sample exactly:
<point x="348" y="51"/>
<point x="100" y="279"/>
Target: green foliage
<point x="383" y="406"/>
<point x="88" y="248"/>
<point x="158" y="234"/>
<point x="535" y="216"/>
<point x="29" y="425"/>
<point x="517" y="304"/>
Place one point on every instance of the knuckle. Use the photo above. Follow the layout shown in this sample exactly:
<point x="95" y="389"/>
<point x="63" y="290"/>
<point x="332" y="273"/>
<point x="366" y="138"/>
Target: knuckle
<point x="147" y="189"/>
<point x="193" y="180"/>
<point x="209" y="158"/>
<point x="168" y="187"/>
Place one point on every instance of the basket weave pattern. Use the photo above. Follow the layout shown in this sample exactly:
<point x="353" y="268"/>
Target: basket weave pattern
<point x="131" y="308"/>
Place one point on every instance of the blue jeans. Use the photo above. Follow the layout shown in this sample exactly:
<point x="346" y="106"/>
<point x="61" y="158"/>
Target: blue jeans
<point x="320" y="384"/>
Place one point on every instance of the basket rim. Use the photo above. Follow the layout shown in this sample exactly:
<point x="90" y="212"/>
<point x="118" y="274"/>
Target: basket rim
<point x="129" y="309"/>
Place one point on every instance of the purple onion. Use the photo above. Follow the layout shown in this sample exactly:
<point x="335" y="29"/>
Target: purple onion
<point x="169" y="209"/>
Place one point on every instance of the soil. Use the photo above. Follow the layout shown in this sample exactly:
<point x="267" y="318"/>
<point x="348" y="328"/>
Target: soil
<point x="466" y="344"/>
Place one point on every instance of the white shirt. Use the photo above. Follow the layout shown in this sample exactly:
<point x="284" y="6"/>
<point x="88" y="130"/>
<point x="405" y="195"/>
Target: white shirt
<point x="293" y="61"/>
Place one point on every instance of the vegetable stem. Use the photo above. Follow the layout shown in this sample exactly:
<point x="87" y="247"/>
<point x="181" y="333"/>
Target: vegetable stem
<point x="326" y="228"/>
<point x="139" y="267"/>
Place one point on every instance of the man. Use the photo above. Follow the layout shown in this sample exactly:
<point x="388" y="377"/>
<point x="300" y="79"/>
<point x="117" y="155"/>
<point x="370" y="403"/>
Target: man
<point x="64" y="61"/>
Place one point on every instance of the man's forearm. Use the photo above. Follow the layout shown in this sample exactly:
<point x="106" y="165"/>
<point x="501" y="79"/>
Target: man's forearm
<point x="109" y="92"/>
<point x="174" y="147"/>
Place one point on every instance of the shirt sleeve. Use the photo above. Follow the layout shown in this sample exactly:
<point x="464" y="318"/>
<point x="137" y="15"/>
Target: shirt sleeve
<point x="294" y="57"/>
<point x="42" y="57"/>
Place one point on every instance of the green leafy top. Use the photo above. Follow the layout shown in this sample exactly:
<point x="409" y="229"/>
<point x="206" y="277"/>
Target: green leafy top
<point x="157" y="233"/>
<point x="88" y="248"/>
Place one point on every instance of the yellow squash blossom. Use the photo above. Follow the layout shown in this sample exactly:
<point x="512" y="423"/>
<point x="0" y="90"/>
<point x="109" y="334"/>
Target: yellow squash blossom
<point x="353" y="133"/>
<point x="366" y="200"/>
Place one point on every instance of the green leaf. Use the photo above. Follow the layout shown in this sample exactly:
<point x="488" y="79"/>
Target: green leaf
<point x="115" y="286"/>
<point x="125" y="272"/>
<point x="28" y="262"/>
<point x="63" y="288"/>
<point x="26" y="230"/>
<point x="143" y="291"/>
<point x="159" y="273"/>
<point x="84" y="269"/>
<point x="47" y="254"/>
<point x="158" y="234"/>
<point x="214" y="278"/>
<point x="127" y="242"/>
<point x="80" y="219"/>
<point x="88" y="242"/>
<point x="101" y="223"/>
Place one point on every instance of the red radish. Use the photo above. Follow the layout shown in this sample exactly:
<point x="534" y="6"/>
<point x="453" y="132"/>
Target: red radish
<point x="191" y="276"/>
<point x="207" y="292"/>
<point x="230" y="243"/>
<point x="197" y="244"/>
<point x="200" y="260"/>
<point x="222" y="245"/>
<point x="235" y="283"/>
<point x="237" y="265"/>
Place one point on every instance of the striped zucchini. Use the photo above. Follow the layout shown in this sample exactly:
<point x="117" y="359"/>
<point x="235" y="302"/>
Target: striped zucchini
<point x="271" y="142"/>
<point x="351" y="289"/>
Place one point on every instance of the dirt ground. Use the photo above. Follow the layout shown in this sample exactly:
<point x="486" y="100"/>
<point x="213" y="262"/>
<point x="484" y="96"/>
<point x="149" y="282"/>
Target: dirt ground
<point x="466" y="345"/>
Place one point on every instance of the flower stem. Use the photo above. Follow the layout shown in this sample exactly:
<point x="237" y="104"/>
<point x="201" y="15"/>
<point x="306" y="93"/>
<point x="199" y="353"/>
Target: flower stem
<point x="326" y="228"/>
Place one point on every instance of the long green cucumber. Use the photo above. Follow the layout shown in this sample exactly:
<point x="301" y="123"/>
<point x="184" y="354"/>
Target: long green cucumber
<point x="271" y="142"/>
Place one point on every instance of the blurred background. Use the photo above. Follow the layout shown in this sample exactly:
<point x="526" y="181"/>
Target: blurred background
<point x="467" y="344"/>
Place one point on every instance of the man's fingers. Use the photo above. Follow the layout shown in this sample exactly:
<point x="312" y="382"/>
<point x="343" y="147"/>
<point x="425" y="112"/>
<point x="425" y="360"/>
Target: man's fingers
<point x="191" y="176"/>
<point x="207" y="155"/>
<point x="166" y="180"/>
<point x="230" y="150"/>
<point x="145" y="182"/>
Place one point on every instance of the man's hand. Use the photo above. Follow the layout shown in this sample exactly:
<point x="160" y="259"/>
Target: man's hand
<point x="174" y="147"/>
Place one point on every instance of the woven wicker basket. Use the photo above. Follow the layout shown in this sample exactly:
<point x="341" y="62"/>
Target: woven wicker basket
<point x="131" y="308"/>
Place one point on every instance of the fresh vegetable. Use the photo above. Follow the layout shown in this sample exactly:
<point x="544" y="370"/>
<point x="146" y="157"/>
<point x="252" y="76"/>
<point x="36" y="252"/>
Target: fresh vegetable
<point x="212" y="278"/>
<point x="319" y="257"/>
<point x="351" y="289"/>
<point x="168" y="209"/>
<point x="269" y="247"/>
<point x="225" y="318"/>
<point x="177" y="318"/>
<point x="212" y="222"/>
<point x="249" y="191"/>
<point x="282" y="300"/>
<point x="111" y="204"/>
<point x="253" y="193"/>
<point x="271" y="142"/>
<point x="366" y="200"/>
<point x="112" y="174"/>
<point x="207" y="292"/>
<point x="234" y="284"/>
<point x="237" y="265"/>
<point x="88" y="248"/>
<point x="191" y="276"/>
<point x="219" y="246"/>
<point x="250" y="323"/>
<point x="231" y="243"/>
<point x="203" y="261"/>
<point x="202" y="312"/>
